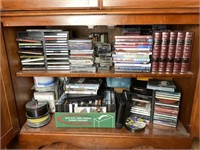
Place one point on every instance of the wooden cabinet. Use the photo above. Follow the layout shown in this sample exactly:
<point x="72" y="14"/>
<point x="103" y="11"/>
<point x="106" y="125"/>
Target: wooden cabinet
<point x="49" y="4"/>
<point x="195" y="112"/>
<point x="9" y="117"/>
<point x="178" y="14"/>
<point x="150" y="4"/>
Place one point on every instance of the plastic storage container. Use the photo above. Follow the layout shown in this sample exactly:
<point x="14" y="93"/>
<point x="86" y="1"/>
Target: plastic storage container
<point x="118" y="82"/>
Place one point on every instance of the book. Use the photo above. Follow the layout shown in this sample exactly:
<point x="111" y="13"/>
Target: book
<point x="187" y="50"/>
<point x="180" y="44"/>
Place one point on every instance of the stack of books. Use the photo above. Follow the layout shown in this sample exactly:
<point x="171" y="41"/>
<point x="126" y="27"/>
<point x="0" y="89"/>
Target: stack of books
<point x="132" y="53"/>
<point x="172" y="51"/>
<point x="167" y="102"/>
<point x="31" y="51"/>
<point x="81" y="56"/>
<point x="56" y="46"/>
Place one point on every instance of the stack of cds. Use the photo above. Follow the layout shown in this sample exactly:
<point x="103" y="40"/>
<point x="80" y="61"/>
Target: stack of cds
<point x="103" y="56"/>
<point x="37" y="114"/>
<point x="83" y="86"/>
<point x="142" y="100"/>
<point x="31" y="50"/>
<point x="81" y="56"/>
<point x="56" y="45"/>
<point x="132" y="53"/>
<point x="166" y="108"/>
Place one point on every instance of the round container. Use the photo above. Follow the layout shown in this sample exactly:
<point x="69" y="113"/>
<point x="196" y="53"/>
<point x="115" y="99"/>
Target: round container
<point x="35" y="109"/>
<point x="39" y="122"/>
<point x="135" y="124"/>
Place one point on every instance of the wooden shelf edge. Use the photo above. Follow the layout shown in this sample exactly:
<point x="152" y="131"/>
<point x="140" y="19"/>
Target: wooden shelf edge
<point x="100" y="74"/>
<point x="152" y="130"/>
<point x="115" y="138"/>
<point x="99" y="12"/>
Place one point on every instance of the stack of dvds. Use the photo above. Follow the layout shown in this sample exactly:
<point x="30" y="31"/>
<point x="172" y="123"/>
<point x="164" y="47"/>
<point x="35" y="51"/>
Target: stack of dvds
<point x="167" y="101"/>
<point x="166" y="108"/>
<point x="132" y="53"/>
<point x="141" y="100"/>
<point x="103" y="57"/>
<point x="83" y="86"/>
<point x="31" y="50"/>
<point x="56" y="45"/>
<point x="81" y="56"/>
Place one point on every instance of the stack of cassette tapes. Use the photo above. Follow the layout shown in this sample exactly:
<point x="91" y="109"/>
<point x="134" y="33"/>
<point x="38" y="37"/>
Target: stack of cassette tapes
<point x="132" y="53"/>
<point x="31" y="50"/>
<point x="56" y="46"/>
<point x="103" y="57"/>
<point x="81" y="56"/>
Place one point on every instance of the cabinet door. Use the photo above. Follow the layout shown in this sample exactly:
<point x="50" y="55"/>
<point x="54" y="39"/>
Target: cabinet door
<point x="132" y="4"/>
<point x="49" y="4"/>
<point x="9" y="118"/>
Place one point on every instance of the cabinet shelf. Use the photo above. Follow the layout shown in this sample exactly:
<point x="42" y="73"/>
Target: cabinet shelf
<point x="80" y="136"/>
<point x="101" y="74"/>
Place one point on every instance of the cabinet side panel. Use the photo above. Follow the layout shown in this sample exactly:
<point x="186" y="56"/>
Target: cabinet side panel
<point x="195" y="112"/>
<point x="9" y="116"/>
<point x="22" y="86"/>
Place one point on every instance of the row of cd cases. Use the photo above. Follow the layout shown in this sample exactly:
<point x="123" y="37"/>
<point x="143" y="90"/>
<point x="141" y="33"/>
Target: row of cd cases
<point x="44" y="49"/>
<point x="156" y="106"/>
